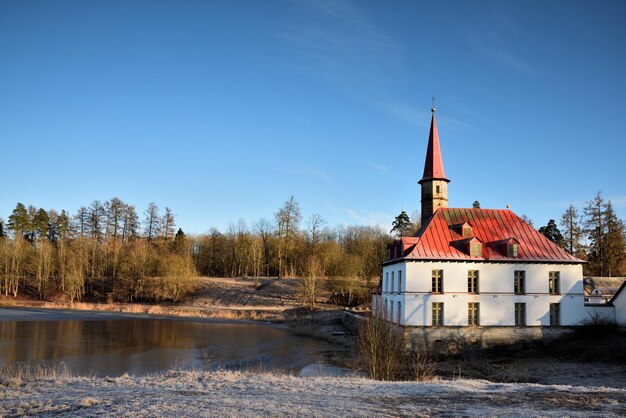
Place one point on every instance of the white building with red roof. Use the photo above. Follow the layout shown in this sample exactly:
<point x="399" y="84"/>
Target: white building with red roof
<point x="475" y="270"/>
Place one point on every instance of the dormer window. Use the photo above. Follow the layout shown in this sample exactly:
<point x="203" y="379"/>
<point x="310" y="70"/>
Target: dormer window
<point x="476" y="249"/>
<point x="467" y="231"/>
<point x="512" y="249"/>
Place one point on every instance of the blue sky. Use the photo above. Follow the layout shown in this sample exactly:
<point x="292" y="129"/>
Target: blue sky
<point x="221" y="110"/>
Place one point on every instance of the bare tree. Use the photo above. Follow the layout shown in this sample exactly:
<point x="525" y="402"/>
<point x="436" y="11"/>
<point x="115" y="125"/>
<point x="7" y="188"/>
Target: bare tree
<point x="287" y="223"/>
<point x="595" y="230"/>
<point x="151" y="221"/>
<point x="309" y="287"/>
<point x="316" y="227"/>
<point x="264" y="228"/>
<point x="168" y="225"/>
<point x="572" y="232"/>
<point x="130" y="223"/>
<point x="379" y="351"/>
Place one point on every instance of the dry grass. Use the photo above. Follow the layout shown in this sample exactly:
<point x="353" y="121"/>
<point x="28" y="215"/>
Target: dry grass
<point x="89" y="401"/>
<point x="272" y="314"/>
<point x="15" y="374"/>
<point x="242" y="394"/>
<point x="219" y="298"/>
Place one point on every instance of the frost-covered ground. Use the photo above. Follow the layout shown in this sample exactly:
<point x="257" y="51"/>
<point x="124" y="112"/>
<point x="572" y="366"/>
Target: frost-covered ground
<point x="194" y="393"/>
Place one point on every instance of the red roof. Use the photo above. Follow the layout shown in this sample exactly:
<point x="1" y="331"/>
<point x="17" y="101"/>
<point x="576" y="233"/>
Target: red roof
<point x="440" y="238"/>
<point x="433" y="168"/>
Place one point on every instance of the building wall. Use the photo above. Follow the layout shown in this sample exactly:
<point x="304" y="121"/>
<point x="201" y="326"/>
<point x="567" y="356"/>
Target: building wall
<point x="496" y="298"/>
<point x="620" y="307"/>
<point x="605" y="312"/>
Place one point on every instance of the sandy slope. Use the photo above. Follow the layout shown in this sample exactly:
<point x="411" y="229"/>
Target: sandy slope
<point x="193" y="393"/>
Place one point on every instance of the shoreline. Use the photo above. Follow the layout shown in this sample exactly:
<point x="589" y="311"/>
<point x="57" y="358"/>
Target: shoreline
<point x="155" y="311"/>
<point x="32" y="313"/>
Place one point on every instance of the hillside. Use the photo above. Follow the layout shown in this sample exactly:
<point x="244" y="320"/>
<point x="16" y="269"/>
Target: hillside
<point x="215" y="297"/>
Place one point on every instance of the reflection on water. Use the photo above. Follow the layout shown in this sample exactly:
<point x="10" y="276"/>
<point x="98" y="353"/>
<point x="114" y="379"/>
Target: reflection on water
<point x="140" y="346"/>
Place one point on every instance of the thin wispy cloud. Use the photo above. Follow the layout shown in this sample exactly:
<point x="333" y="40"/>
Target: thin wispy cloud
<point x="380" y="219"/>
<point x="407" y="113"/>
<point x="379" y="168"/>
<point x="498" y="42"/>
<point x="336" y="40"/>
<point x="309" y="171"/>
<point x="454" y="124"/>
<point x="618" y="201"/>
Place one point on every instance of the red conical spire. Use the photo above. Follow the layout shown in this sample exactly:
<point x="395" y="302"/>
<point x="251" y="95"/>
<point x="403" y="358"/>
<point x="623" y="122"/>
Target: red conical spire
<point x="433" y="168"/>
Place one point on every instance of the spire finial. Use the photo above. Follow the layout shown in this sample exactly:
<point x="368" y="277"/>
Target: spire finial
<point x="433" y="108"/>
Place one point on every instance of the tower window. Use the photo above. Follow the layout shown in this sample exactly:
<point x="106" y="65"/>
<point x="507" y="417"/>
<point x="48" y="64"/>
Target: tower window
<point x="437" y="189"/>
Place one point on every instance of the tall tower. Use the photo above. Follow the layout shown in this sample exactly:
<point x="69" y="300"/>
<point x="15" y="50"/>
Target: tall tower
<point x="434" y="182"/>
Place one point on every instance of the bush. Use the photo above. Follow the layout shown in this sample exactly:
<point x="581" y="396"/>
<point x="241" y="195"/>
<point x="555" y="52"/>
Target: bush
<point x="381" y="355"/>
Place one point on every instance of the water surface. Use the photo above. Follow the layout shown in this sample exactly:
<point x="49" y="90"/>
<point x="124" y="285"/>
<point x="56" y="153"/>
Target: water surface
<point x="115" y="345"/>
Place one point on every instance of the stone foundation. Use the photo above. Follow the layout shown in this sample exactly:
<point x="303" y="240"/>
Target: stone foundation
<point x="452" y="340"/>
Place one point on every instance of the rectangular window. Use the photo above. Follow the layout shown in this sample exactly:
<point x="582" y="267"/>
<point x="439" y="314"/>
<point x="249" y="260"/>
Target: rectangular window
<point x="555" y="314"/>
<point x="512" y="250"/>
<point x="399" y="281"/>
<point x="472" y="281"/>
<point x="519" y="282"/>
<point x="399" y="311"/>
<point x="391" y="311"/>
<point x="520" y="314"/>
<point x="437" y="311"/>
<point x="473" y="313"/>
<point x="437" y="281"/>
<point x="393" y="282"/>
<point x="476" y="249"/>
<point x="554" y="282"/>
<point x="387" y="282"/>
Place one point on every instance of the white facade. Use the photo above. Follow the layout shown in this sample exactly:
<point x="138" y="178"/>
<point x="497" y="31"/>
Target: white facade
<point x="408" y="298"/>
<point x="619" y="303"/>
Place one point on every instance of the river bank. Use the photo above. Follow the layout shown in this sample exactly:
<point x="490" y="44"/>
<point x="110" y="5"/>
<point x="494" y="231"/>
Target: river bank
<point x="269" y="300"/>
<point x="222" y="393"/>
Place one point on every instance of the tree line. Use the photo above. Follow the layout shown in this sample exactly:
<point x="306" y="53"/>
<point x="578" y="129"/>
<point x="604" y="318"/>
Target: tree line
<point x="596" y="235"/>
<point x="104" y="249"/>
<point x="100" y="251"/>
<point x="344" y="259"/>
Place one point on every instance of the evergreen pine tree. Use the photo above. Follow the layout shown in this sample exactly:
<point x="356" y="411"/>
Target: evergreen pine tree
<point x="401" y="225"/>
<point x="551" y="231"/>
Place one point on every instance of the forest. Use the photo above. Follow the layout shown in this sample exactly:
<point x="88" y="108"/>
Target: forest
<point x="104" y="250"/>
